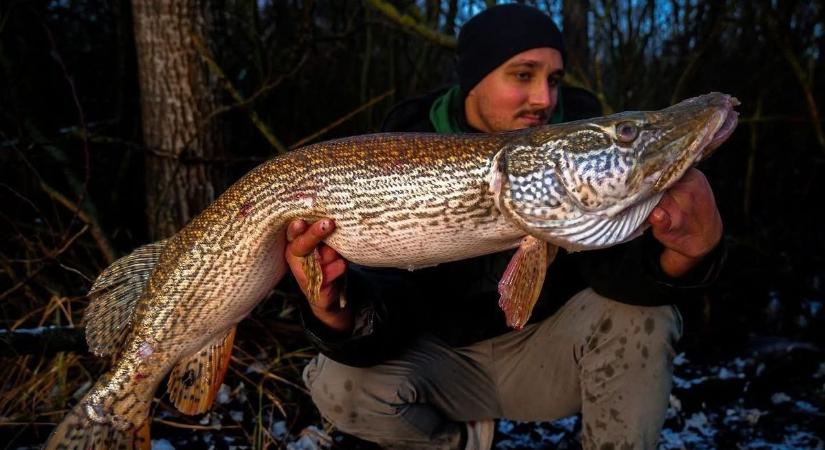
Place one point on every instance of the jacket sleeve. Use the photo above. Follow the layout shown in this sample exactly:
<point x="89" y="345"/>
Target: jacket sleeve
<point x="380" y="299"/>
<point x="631" y="273"/>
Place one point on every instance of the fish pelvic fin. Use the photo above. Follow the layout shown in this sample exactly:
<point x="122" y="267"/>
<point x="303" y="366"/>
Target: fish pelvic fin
<point x="78" y="432"/>
<point x="311" y="265"/>
<point x="195" y="381"/>
<point x="521" y="282"/>
<point x="113" y="297"/>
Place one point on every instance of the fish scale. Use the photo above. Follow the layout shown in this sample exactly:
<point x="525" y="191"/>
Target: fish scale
<point x="405" y="200"/>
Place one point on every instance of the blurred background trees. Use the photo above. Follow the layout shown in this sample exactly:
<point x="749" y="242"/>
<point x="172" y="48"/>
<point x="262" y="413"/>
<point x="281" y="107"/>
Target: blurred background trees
<point x="120" y="121"/>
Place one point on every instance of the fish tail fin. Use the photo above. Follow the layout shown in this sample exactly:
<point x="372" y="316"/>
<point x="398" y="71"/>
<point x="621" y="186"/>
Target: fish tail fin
<point x="103" y="431"/>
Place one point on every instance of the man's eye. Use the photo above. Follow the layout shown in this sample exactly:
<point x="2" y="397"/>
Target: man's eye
<point x="524" y="76"/>
<point x="553" y="81"/>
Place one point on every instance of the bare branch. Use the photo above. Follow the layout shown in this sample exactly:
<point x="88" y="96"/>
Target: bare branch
<point x="408" y="23"/>
<point x="801" y="78"/>
<point x="95" y="229"/>
<point x="341" y="120"/>
<point x="227" y="84"/>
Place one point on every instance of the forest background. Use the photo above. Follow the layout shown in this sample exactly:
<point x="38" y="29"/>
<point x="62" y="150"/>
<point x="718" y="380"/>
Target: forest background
<point x="120" y="120"/>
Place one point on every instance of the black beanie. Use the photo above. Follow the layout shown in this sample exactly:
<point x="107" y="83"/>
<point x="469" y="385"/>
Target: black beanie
<point x="497" y="34"/>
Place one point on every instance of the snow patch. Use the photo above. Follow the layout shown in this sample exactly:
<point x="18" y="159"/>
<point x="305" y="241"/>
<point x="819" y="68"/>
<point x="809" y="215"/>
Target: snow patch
<point x="223" y="395"/>
<point x="779" y="398"/>
<point x="804" y="406"/>
<point x="278" y="430"/>
<point x="162" y="444"/>
<point x="312" y="438"/>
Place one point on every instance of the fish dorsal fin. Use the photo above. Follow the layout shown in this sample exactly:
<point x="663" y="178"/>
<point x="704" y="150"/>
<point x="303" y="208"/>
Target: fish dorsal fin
<point x="521" y="282"/>
<point x="195" y="381"/>
<point x="113" y="298"/>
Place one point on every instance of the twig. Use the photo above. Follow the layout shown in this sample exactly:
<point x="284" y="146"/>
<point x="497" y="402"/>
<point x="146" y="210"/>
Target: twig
<point x="407" y="22"/>
<point x="75" y="271"/>
<point x="36" y="271"/>
<point x="341" y="120"/>
<point x="56" y="303"/>
<point x="252" y="383"/>
<point x="81" y="118"/>
<point x="799" y="73"/>
<point x="97" y="233"/>
<point x="28" y="201"/>
<point x="194" y="427"/>
<point x="694" y="59"/>
<point x="243" y="103"/>
<point x="227" y="84"/>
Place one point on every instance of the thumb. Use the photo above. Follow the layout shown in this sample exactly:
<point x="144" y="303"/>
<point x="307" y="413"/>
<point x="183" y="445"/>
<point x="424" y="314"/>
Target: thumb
<point x="659" y="219"/>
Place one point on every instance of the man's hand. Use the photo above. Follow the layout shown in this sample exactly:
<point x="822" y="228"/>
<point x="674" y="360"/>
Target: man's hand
<point x="302" y="240"/>
<point x="687" y="222"/>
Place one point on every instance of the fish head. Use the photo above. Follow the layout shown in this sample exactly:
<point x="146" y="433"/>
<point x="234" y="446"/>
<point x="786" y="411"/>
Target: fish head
<point x="592" y="183"/>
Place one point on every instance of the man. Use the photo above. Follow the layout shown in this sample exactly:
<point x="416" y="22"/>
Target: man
<point x="423" y="359"/>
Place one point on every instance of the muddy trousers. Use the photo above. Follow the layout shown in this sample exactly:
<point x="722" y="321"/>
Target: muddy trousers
<point x="610" y="361"/>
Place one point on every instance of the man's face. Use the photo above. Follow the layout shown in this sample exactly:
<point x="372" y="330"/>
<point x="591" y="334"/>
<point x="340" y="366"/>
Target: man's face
<point x="520" y="93"/>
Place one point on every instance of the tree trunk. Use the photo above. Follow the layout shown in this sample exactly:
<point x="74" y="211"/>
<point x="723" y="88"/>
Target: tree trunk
<point x="575" y="25"/>
<point x="177" y="98"/>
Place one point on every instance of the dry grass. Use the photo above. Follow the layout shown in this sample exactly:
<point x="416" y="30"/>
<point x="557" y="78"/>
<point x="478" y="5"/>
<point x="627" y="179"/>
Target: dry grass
<point x="264" y="378"/>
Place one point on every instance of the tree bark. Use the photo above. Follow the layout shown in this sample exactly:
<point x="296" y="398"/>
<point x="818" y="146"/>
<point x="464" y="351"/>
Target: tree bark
<point x="177" y="93"/>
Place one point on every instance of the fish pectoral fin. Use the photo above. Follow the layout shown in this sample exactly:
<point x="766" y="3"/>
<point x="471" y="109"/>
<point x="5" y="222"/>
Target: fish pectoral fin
<point x="521" y="283"/>
<point x="194" y="382"/>
<point x="315" y="276"/>
<point x="114" y="295"/>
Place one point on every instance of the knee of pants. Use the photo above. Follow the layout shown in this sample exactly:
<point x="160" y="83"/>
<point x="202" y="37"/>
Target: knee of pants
<point x="332" y="388"/>
<point x="354" y="398"/>
<point x="633" y="333"/>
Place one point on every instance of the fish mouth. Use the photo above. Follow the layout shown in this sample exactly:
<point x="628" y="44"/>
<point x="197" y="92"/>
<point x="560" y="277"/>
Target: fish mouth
<point x="719" y="128"/>
<point x="725" y="130"/>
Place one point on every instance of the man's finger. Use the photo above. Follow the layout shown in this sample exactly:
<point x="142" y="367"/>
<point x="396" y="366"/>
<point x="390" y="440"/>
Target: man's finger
<point x="333" y="271"/>
<point x="328" y="254"/>
<point x="295" y="228"/>
<point x="306" y="242"/>
<point x="659" y="218"/>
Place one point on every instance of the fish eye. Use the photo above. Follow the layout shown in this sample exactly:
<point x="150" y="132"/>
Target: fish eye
<point x="626" y="132"/>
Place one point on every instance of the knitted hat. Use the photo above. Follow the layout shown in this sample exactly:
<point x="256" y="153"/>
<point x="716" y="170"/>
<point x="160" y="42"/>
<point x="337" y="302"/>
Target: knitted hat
<point x="497" y="34"/>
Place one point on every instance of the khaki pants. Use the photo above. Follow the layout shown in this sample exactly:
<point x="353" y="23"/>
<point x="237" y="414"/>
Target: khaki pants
<point x="608" y="360"/>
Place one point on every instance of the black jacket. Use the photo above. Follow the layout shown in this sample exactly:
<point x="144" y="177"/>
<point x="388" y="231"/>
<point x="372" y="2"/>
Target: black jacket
<point x="458" y="301"/>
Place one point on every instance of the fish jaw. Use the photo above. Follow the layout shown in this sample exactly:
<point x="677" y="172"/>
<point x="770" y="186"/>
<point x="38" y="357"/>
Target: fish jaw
<point x="591" y="184"/>
<point x="710" y="121"/>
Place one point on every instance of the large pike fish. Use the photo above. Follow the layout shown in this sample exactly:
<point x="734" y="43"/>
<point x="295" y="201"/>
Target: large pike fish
<point x="398" y="200"/>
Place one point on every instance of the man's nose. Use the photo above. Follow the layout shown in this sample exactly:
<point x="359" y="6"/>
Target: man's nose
<point x="541" y="95"/>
